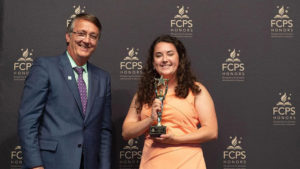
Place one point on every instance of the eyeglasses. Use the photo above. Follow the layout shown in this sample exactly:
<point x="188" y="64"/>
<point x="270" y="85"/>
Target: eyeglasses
<point x="83" y="35"/>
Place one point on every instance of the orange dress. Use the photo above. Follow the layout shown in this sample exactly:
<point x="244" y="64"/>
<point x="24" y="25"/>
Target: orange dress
<point x="180" y="117"/>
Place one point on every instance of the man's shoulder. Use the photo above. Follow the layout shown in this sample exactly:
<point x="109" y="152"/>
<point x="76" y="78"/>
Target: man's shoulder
<point x="49" y="58"/>
<point x="97" y="69"/>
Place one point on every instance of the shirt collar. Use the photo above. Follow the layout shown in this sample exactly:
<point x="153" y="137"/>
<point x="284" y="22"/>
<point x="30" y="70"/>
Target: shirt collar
<point x="73" y="64"/>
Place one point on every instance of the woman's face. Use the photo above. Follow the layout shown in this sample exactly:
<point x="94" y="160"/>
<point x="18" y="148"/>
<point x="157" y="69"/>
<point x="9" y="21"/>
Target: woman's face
<point x="165" y="59"/>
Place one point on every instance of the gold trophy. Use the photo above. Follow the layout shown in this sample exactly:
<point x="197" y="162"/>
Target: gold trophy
<point x="160" y="93"/>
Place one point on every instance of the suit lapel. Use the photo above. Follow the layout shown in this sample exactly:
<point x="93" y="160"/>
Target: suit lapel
<point x="69" y="77"/>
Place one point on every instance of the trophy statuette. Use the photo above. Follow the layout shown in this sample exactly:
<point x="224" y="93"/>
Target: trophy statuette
<point x="161" y="89"/>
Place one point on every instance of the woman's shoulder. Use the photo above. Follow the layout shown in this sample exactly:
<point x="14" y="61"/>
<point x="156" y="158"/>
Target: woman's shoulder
<point x="135" y="103"/>
<point x="201" y="87"/>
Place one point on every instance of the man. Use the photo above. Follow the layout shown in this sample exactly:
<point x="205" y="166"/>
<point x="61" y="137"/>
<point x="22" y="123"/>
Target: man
<point x="65" y="113"/>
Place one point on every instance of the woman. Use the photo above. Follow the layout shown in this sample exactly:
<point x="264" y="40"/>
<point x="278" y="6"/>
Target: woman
<point x="187" y="104"/>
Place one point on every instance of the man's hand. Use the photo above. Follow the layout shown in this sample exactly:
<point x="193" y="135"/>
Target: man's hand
<point x="40" y="167"/>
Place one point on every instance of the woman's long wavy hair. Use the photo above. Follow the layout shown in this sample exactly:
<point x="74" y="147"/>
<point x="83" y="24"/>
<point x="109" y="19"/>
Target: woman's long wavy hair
<point x="185" y="78"/>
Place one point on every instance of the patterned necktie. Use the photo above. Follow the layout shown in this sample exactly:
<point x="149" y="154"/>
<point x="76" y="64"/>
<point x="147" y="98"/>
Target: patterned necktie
<point x="81" y="87"/>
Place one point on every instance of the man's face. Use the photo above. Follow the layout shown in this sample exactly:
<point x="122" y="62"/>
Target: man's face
<point x="82" y="41"/>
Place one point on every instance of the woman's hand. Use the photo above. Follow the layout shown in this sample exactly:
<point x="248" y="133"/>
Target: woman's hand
<point x="156" y="107"/>
<point x="167" y="139"/>
<point x="133" y="125"/>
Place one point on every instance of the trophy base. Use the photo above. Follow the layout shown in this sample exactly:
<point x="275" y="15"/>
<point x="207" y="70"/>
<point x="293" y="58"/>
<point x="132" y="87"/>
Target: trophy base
<point x="156" y="131"/>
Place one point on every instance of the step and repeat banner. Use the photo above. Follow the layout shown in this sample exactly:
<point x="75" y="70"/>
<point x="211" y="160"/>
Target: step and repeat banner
<point x="246" y="52"/>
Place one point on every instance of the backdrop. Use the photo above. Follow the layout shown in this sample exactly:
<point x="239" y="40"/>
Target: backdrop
<point x="246" y="52"/>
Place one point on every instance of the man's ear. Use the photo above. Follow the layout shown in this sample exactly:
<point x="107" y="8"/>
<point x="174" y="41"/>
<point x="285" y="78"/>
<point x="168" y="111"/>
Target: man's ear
<point x="68" y="37"/>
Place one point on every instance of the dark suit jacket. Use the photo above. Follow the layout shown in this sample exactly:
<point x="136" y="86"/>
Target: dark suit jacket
<point x="52" y="129"/>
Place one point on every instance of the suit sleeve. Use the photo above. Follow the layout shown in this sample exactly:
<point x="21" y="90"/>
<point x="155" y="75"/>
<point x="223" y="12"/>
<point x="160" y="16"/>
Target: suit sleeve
<point x="106" y="130"/>
<point x="32" y="105"/>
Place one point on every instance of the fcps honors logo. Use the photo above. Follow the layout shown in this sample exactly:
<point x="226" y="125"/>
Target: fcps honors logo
<point x="182" y="24"/>
<point x="77" y="10"/>
<point x="23" y="64"/>
<point x="16" y="158"/>
<point x="284" y="113"/>
<point x="131" y="67"/>
<point x="282" y="25"/>
<point x="233" y="69"/>
<point x="130" y="155"/>
<point x="234" y="157"/>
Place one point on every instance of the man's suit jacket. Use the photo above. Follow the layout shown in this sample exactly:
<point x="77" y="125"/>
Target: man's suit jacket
<point x="52" y="128"/>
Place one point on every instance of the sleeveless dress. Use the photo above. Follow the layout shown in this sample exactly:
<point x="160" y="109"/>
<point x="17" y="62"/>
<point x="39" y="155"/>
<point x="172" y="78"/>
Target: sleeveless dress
<point x="181" y="117"/>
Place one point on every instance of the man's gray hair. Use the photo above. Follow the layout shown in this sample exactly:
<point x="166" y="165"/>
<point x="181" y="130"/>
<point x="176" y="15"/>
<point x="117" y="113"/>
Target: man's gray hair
<point x="84" y="16"/>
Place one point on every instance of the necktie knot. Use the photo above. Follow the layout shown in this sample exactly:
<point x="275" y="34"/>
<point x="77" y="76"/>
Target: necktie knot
<point x="79" y="70"/>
